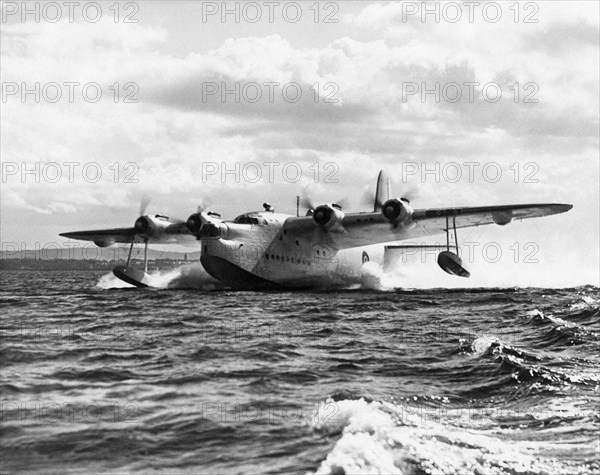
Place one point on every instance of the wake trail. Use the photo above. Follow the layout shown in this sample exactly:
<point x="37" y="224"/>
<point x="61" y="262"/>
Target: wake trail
<point x="187" y="276"/>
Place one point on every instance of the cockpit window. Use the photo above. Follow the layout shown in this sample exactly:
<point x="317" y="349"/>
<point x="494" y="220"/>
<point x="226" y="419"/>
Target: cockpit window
<point x="250" y="219"/>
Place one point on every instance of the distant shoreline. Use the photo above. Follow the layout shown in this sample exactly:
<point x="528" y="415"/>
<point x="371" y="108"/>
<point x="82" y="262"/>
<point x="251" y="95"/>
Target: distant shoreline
<point x="83" y="264"/>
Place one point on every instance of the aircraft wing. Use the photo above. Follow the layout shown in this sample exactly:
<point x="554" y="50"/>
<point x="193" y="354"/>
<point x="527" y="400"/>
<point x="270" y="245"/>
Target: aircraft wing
<point x="363" y="229"/>
<point x="115" y="235"/>
<point x="176" y="233"/>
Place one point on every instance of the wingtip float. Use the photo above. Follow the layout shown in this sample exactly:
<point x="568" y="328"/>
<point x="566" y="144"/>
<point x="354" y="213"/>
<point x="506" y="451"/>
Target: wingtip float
<point x="132" y="276"/>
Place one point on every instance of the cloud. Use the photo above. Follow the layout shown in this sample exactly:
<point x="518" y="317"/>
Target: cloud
<point x="368" y="59"/>
<point x="564" y="38"/>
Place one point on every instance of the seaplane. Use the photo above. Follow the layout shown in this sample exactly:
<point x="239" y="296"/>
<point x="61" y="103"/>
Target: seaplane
<point x="326" y="247"/>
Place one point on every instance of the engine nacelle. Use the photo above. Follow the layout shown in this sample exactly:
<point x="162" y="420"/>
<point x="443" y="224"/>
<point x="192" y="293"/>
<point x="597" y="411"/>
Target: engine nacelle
<point x="207" y="225"/>
<point x="396" y="211"/>
<point x="215" y="230"/>
<point x="329" y="217"/>
<point x="142" y="225"/>
<point x="151" y="226"/>
<point x="194" y="223"/>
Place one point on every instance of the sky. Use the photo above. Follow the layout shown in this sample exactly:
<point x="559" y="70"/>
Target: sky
<point x="229" y="105"/>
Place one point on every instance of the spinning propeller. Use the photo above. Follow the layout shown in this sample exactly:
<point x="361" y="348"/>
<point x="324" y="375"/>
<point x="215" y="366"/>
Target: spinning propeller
<point x="196" y="220"/>
<point x="144" y="202"/>
<point x="307" y="202"/>
<point x="369" y="198"/>
<point x="142" y="224"/>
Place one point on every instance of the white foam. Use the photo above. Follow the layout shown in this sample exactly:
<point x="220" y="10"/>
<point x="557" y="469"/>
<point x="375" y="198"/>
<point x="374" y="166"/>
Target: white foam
<point x="110" y="281"/>
<point x="188" y="276"/>
<point x="586" y="302"/>
<point x="483" y="343"/>
<point x="551" y="318"/>
<point x="373" y="276"/>
<point x="589" y="300"/>
<point x="161" y="280"/>
<point x="378" y="437"/>
<point x="535" y="313"/>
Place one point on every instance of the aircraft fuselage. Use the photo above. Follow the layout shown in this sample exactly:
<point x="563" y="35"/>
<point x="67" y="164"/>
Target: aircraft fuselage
<point x="263" y="255"/>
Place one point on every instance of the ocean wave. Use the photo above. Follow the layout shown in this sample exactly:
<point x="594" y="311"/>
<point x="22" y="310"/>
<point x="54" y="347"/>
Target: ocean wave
<point x="376" y="438"/>
<point x="486" y="366"/>
<point x="563" y="330"/>
<point x="435" y="381"/>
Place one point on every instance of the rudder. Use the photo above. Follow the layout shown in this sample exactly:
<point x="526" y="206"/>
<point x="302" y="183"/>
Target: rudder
<point x="383" y="192"/>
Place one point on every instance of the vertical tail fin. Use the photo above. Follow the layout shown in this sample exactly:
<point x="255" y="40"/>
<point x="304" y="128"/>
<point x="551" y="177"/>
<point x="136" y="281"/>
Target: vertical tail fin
<point x="383" y="192"/>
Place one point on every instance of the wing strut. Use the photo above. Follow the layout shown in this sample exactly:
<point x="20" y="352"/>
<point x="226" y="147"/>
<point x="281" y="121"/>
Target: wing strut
<point x="146" y="255"/>
<point x="448" y="234"/>
<point x="449" y="261"/>
<point x="455" y="237"/>
<point x="130" y="250"/>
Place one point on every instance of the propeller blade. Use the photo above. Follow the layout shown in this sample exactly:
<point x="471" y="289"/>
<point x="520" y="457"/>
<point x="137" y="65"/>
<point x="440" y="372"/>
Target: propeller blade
<point x="411" y="194"/>
<point x="144" y="202"/>
<point x="306" y="202"/>
<point x="203" y="205"/>
<point x="369" y="198"/>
